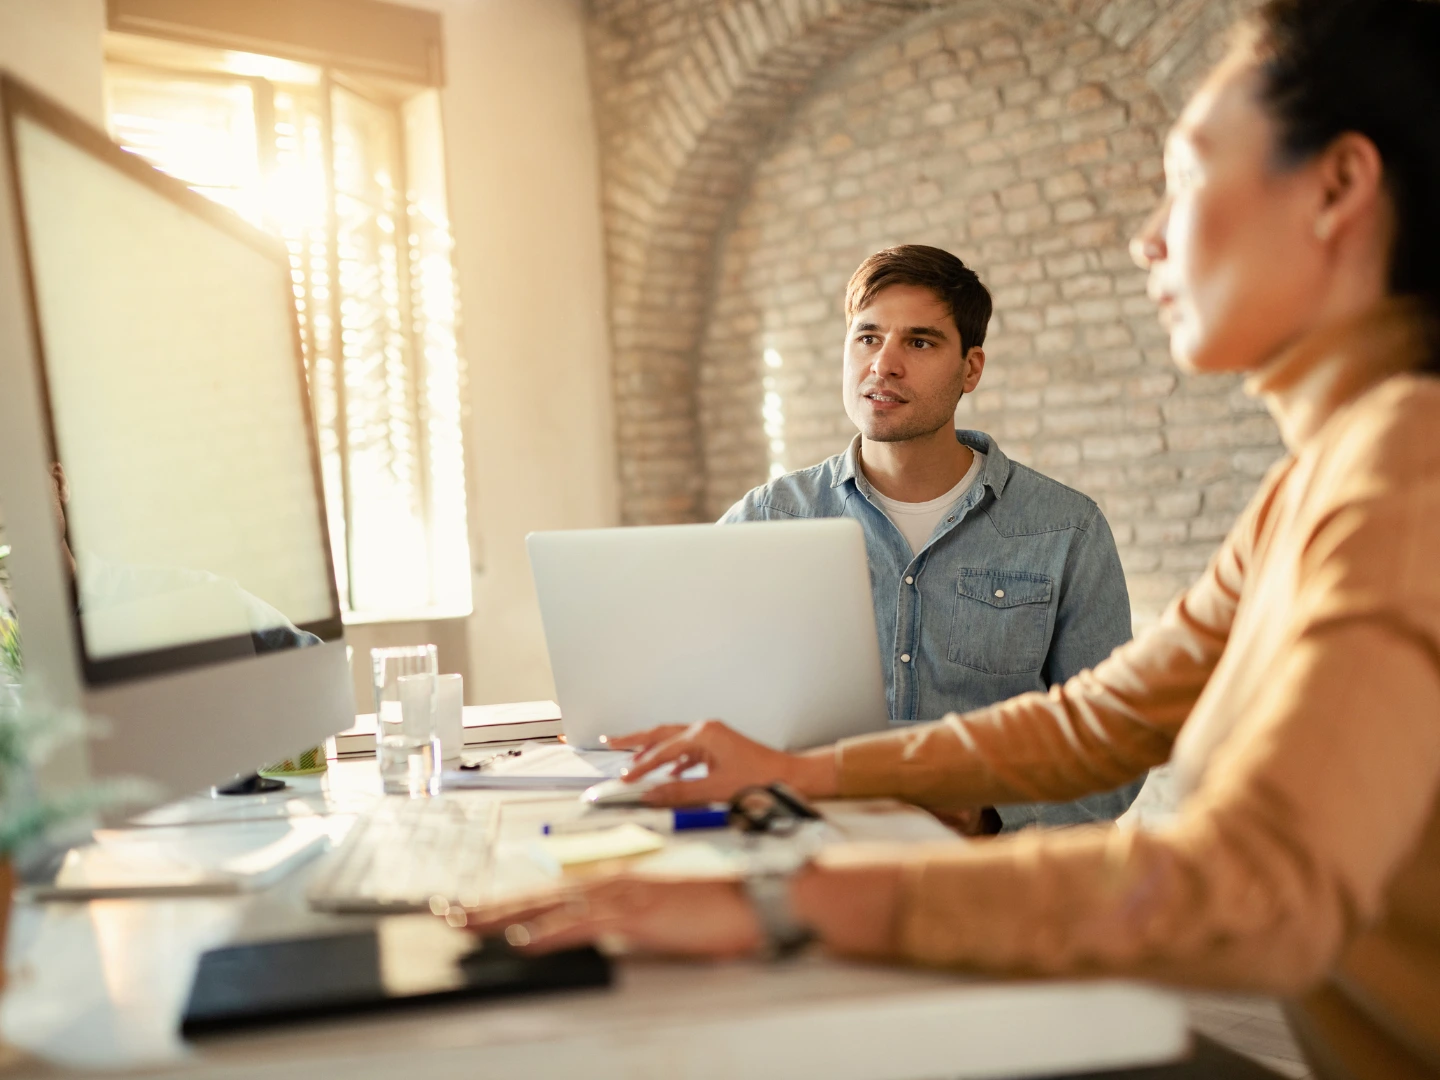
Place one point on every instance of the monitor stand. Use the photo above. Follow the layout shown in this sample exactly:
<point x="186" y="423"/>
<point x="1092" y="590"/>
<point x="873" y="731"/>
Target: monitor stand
<point x="252" y="784"/>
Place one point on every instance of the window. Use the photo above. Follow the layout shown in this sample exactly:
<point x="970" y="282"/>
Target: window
<point x="348" y="171"/>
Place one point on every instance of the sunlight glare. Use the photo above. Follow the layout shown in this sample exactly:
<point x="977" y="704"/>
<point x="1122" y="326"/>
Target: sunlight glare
<point x="772" y="413"/>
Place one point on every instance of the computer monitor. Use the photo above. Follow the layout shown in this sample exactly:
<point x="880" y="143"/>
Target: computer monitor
<point x="159" y="472"/>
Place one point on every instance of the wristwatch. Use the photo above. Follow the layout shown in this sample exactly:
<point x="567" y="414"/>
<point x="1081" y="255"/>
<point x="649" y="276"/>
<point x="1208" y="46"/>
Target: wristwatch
<point x="767" y="884"/>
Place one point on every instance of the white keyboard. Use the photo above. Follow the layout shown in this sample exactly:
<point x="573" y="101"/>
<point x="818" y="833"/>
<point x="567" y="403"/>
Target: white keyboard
<point x="405" y="851"/>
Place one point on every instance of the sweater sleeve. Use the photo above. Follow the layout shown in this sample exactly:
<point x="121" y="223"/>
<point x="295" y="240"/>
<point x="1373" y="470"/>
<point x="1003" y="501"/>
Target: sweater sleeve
<point x="1264" y="875"/>
<point x="1285" y="846"/>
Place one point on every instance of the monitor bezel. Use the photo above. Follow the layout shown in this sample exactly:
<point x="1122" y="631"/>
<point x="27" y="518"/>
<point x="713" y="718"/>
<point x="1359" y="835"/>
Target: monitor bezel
<point x="17" y="100"/>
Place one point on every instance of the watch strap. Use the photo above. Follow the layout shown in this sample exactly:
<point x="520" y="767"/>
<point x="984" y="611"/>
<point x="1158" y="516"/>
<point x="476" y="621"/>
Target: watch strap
<point x="769" y="894"/>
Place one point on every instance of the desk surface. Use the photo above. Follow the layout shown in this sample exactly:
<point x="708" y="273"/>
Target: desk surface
<point x="102" y="986"/>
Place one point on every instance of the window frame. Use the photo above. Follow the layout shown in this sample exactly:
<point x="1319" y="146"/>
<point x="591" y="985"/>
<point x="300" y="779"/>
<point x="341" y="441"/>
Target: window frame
<point x="391" y="96"/>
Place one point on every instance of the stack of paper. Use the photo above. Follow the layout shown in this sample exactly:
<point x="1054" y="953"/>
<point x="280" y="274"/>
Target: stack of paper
<point x="514" y="722"/>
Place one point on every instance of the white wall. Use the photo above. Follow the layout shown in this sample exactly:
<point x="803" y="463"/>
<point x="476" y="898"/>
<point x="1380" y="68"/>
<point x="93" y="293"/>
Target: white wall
<point x="56" y="46"/>
<point x="525" y="202"/>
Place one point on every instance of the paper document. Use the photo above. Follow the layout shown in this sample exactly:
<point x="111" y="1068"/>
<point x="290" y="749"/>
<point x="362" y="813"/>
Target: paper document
<point x="199" y="861"/>
<point x="539" y="766"/>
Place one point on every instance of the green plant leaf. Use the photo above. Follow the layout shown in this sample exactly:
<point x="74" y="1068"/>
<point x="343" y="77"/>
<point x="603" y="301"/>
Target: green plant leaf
<point x="11" y="658"/>
<point x="29" y="735"/>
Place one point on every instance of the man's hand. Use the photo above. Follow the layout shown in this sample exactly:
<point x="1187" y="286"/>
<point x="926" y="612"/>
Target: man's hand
<point x="732" y="762"/>
<point x="702" y="918"/>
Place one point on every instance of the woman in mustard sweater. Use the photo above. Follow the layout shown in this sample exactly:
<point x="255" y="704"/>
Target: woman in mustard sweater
<point x="1295" y="686"/>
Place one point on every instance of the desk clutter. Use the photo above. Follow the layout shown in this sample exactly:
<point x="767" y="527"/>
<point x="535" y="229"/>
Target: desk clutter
<point x="472" y="846"/>
<point x="243" y="937"/>
<point x="419" y="855"/>
<point x="149" y="974"/>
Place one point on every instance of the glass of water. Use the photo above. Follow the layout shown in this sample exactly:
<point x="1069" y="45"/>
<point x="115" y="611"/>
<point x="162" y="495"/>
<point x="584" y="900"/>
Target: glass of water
<point x="407" y="754"/>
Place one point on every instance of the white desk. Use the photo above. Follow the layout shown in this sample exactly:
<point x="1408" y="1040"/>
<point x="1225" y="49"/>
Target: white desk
<point x="102" y="986"/>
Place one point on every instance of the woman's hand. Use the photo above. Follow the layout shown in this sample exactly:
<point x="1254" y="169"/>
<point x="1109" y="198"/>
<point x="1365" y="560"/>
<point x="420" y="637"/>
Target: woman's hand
<point x="850" y="896"/>
<point x="732" y="762"/>
<point x="702" y="918"/>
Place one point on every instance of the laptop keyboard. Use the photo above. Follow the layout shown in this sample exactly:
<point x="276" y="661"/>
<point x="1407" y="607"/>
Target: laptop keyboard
<point x="405" y="851"/>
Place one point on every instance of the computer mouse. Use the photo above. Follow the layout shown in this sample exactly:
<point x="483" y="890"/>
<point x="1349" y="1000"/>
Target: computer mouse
<point x="617" y="792"/>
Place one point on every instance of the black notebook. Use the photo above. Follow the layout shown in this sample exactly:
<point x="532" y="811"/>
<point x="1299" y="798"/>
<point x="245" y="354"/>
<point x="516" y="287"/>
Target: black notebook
<point x="403" y="961"/>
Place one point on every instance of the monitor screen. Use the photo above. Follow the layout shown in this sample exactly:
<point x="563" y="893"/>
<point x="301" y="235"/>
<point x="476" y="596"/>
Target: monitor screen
<point x="184" y="464"/>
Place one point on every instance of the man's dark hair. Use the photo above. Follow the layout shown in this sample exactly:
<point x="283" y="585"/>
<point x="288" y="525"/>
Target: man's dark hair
<point x="952" y="282"/>
<point x="1328" y="67"/>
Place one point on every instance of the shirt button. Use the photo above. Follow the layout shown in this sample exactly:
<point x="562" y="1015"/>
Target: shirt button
<point x="1000" y="593"/>
<point x="904" y="657"/>
<point x="909" y="581"/>
<point x="949" y="519"/>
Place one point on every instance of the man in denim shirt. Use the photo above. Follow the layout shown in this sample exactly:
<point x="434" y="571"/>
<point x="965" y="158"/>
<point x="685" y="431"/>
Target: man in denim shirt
<point x="988" y="578"/>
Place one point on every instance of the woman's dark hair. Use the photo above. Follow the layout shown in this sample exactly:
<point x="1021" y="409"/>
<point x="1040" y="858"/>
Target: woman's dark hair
<point x="1372" y="67"/>
<point x="954" y="283"/>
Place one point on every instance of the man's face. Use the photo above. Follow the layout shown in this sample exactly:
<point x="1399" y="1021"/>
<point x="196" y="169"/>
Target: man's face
<point x="904" y="368"/>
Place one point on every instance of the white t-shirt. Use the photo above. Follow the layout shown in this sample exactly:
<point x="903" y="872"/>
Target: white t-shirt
<point x="917" y="521"/>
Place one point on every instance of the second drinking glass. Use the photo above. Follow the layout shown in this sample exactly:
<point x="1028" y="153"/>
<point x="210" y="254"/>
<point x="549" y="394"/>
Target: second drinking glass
<point x="405" y="745"/>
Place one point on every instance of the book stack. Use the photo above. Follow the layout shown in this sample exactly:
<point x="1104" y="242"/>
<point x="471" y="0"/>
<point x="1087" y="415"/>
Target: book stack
<point x="515" y="722"/>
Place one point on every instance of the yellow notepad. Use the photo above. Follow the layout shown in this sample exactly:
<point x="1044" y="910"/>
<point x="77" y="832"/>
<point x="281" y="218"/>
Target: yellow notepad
<point x="617" y="843"/>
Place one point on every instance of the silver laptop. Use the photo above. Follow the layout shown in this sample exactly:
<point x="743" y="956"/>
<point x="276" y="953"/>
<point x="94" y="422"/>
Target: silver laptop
<point x="767" y="626"/>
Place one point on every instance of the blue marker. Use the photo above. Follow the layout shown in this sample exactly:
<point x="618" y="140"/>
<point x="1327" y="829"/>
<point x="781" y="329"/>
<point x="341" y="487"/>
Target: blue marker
<point x="661" y="821"/>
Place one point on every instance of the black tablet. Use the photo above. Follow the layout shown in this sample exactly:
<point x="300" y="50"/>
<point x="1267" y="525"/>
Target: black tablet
<point x="403" y="961"/>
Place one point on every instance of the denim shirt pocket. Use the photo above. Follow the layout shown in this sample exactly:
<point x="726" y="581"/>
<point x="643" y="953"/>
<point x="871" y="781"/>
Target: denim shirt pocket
<point x="1000" y="621"/>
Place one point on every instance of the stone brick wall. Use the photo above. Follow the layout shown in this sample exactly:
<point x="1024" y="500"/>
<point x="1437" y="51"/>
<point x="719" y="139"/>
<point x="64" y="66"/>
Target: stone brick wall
<point x="688" y="93"/>
<point x="1024" y="137"/>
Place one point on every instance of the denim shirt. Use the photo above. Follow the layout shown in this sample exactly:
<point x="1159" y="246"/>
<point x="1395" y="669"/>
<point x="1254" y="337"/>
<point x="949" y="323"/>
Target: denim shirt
<point x="1020" y="587"/>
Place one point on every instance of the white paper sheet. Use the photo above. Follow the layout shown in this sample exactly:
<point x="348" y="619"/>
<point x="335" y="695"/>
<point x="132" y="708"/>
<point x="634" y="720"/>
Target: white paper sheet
<point x="540" y="766"/>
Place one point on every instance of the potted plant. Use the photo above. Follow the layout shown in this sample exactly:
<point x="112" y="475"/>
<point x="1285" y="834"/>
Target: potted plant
<point x="30" y="733"/>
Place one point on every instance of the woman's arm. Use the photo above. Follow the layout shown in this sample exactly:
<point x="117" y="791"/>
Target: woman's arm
<point x="1267" y="872"/>
<point x="1094" y="732"/>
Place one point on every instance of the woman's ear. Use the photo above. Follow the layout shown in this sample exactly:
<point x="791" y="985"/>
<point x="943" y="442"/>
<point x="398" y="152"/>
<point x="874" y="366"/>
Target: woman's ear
<point x="1352" y="180"/>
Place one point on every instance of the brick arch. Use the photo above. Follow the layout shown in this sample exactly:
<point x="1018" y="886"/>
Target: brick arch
<point x="690" y="93"/>
<point x="1173" y="41"/>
